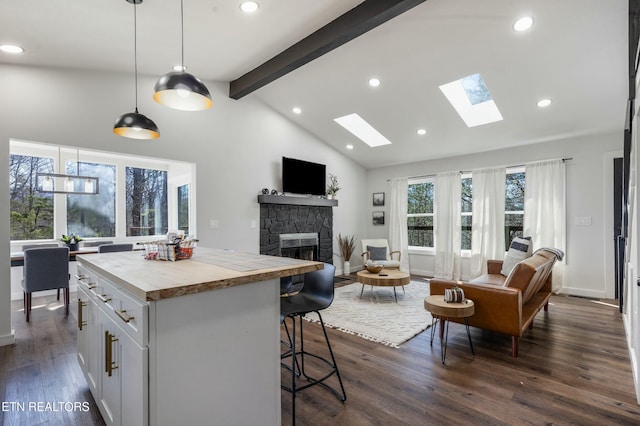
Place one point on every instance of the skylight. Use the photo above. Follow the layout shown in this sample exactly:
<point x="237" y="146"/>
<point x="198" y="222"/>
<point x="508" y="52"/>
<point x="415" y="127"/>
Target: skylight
<point x="363" y="130"/>
<point x="472" y="100"/>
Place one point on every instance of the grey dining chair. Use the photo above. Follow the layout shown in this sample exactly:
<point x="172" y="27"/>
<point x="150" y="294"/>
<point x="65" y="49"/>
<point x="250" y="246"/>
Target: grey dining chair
<point x="95" y="243"/>
<point x="110" y="248"/>
<point x="45" y="269"/>
<point x="41" y="245"/>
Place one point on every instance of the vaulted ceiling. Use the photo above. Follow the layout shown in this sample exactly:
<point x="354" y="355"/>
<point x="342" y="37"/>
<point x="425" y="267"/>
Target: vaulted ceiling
<point x="574" y="54"/>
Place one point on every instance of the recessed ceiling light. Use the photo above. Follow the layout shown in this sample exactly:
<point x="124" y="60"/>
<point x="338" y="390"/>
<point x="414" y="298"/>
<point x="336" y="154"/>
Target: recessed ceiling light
<point x="362" y="130"/>
<point x="374" y="82"/>
<point x="349" y="146"/>
<point x="249" y="6"/>
<point x="422" y="132"/>
<point x="11" y="48"/>
<point x="542" y="103"/>
<point x="523" y="24"/>
<point x="296" y="110"/>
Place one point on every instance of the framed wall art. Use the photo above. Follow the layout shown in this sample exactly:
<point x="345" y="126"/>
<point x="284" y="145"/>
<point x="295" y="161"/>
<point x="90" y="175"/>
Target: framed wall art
<point x="378" y="198"/>
<point x="378" y="218"/>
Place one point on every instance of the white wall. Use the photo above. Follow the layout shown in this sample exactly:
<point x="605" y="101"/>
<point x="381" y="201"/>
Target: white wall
<point x="236" y="145"/>
<point x="589" y="193"/>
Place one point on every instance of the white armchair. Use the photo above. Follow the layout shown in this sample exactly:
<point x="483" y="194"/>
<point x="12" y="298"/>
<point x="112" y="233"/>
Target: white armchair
<point x="378" y="251"/>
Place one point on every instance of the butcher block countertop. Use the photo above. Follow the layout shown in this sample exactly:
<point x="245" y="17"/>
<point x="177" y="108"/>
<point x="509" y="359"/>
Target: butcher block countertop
<point x="208" y="269"/>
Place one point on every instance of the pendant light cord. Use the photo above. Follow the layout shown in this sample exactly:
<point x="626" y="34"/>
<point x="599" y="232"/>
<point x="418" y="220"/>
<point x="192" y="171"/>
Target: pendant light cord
<point x="182" y="33"/>
<point x="135" y="51"/>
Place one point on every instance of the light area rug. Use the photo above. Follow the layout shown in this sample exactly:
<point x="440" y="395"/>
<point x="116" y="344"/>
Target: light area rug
<point x="376" y="316"/>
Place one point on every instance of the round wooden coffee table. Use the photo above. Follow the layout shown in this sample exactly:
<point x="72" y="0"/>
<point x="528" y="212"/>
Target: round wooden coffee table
<point x="384" y="278"/>
<point x="441" y="310"/>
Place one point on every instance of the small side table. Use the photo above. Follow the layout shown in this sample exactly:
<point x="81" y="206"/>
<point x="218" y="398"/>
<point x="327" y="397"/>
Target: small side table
<point x="441" y="310"/>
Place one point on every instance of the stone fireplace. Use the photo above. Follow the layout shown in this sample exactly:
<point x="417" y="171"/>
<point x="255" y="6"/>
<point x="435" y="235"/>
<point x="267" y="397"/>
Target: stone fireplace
<point x="296" y="227"/>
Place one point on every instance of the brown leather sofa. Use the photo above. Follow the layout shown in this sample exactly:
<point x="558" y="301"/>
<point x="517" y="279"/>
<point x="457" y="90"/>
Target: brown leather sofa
<point x="507" y="305"/>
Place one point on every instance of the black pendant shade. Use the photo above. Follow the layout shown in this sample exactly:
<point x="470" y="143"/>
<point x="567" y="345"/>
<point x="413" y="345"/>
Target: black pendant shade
<point x="183" y="91"/>
<point x="136" y="126"/>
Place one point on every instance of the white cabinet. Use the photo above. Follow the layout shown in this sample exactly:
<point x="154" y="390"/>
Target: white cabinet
<point x="112" y="352"/>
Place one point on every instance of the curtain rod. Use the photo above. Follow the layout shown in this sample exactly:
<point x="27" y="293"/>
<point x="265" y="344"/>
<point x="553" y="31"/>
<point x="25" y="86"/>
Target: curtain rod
<point x="564" y="160"/>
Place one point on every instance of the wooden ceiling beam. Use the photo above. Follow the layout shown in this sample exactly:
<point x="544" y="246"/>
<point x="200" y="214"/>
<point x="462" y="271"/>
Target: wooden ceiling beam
<point x="362" y="18"/>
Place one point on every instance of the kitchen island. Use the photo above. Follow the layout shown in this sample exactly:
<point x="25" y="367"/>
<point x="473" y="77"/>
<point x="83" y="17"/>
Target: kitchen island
<point x="195" y="341"/>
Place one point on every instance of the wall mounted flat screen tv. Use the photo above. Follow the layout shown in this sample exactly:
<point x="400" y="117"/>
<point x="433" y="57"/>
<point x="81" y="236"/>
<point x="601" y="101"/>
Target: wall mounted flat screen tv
<point x="303" y="177"/>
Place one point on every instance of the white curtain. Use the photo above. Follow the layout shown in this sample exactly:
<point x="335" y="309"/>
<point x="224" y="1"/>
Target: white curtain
<point x="487" y="235"/>
<point x="447" y="222"/>
<point x="545" y="211"/>
<point x="398" y="233"/>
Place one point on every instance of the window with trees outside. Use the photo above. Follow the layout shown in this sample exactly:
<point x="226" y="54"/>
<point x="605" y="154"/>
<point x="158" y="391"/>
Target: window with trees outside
<point x="31" y="211"/>
<point x="146" y="202"/>
<point x="420" y="209"/>
<point x="137" y="196"/>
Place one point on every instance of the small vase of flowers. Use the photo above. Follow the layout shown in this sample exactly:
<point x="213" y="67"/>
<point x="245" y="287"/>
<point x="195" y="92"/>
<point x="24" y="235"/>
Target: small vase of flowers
<point x="333" y="187"/>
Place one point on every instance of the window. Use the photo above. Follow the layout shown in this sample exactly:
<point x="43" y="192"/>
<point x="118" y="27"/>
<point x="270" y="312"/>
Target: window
<point x="420" y="209"/>
<point x="420" y="213"/>
<point x="95" y="215"/>
<point x="31" y="211"/>
<point x="514" y="205"/>
<point x="146" y="202"/>
<point x="183" y="208"/>
<point x="466" y="209"/>
<point x="133" y="198"/>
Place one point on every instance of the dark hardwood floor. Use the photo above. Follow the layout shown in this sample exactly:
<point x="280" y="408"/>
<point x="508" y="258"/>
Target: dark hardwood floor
<point x="573" y="368"/>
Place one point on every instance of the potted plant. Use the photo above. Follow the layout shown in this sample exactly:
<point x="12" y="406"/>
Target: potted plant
<point x="333" y="187"/>
<point x="71" y="241"/>
<point x="347" y="245"/>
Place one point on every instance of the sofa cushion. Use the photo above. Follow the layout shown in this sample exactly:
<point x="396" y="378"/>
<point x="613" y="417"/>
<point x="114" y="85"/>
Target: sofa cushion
<point x="519" y="249"/>
<point x="377" y="253"/>
<point x="530" y="275"/>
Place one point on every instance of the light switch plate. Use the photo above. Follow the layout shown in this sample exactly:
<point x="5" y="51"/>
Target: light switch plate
<point x="583" y="220"/>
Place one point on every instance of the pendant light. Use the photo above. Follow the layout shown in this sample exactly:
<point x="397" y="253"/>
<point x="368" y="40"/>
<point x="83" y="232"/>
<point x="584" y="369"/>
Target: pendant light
<point x="133" y="124"/>
<point x="62" y="183"/>
<point x="179" y="89"/>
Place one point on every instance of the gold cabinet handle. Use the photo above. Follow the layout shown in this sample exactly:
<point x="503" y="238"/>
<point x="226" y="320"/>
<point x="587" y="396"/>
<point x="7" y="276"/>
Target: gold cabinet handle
<point x="123" y="315"/>
<point x="81" y="278"/>
<point x="109" y="366"/>
<point x="103" y="297"/>
<point x="81" y="322"/>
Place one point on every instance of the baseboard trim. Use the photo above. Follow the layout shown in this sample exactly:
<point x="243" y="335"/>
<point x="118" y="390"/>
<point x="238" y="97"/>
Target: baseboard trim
<point x="8" y="339"/>
<point x="593" y="294"/>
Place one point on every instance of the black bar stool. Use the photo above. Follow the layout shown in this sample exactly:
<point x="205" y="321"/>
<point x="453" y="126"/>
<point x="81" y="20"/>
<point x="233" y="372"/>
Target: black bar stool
<point x="316" y="295"/>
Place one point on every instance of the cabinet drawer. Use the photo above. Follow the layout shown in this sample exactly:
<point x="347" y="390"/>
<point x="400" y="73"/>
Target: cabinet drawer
<point x="132" y="315"/>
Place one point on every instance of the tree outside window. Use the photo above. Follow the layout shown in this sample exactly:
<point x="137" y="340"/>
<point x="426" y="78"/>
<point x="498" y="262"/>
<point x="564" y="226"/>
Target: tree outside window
<point x="420" y="214"/>
<point x="146" y="202"/>
<point x="31" y="211"/>
<point x="466" y="209"/>
<point x="514" y="206"/>
<point x="93" y="215"/>
<point x="183" y="208"/>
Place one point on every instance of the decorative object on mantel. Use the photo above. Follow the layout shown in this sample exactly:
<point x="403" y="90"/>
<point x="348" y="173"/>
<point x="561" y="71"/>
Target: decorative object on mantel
<point x="265" y="191"/>
<point x="274" y="192"/>
<point x="71" y="241"/>
<point x="333" y="188"/>
<point x="173" y="248"/>
<point x="346" y="245"/>
<point x="378" y="199"/>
